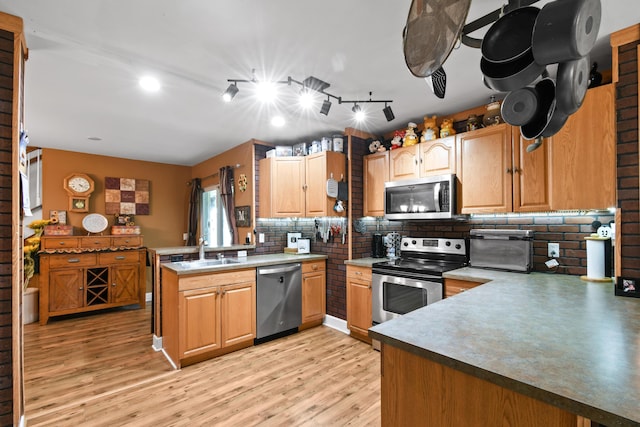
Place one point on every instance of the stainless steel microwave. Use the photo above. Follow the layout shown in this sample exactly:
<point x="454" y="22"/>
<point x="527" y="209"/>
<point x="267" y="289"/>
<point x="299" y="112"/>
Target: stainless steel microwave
<point x="432" y="197"/>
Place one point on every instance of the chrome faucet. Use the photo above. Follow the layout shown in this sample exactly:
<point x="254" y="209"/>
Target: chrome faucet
<point x="201" y="249"/>
<point x="220" y="255"/>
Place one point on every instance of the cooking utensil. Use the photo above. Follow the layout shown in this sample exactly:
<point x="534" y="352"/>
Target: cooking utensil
<point x="332" y="187"/>
<point x="432" y="30"/>
<point x="509" y="38"/>
<point x="519" y="106"/>
<point x="571" y="84"/>
<point x="511" y="75"/>
<point x="437" y="82"/>
<point x="534" y="145"/>
<point x="566" y="30"/>
<point x="548" y="119"/>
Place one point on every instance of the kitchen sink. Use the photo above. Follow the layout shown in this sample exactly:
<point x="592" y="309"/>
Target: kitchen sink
<point x="207" y="262"/>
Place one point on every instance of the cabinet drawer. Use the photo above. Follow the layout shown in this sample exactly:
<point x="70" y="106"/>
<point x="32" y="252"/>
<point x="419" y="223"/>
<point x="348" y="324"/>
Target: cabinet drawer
<point x="126" y="241"/>
<point x="362" y="273"/>
<point x="118" y="257"/>
<point x="311" y="266"/>
<point x="209" y="279"/>
<point x="94" y="242"/>
<point x="59" y="242"/>
<point x="72" y="260"/>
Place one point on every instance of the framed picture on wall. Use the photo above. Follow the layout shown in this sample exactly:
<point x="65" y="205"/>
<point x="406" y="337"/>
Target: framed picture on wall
<point x="243" y="216"/>
<point x="628" y="287"/>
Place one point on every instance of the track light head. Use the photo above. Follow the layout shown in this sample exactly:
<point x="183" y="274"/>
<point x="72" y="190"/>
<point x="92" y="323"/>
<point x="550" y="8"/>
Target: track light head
<point x="359" y="114"/>
<point x="356" y="108"/>
<point x="388" y="113"/>
<point x="231" y="91"/>
<point x="326" y="106"/>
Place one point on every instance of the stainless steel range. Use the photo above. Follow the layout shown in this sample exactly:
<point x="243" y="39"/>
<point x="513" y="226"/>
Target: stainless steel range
<point x="415" y="279"/>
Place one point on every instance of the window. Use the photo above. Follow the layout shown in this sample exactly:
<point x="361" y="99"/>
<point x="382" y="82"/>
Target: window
<point x="215" y="225"/>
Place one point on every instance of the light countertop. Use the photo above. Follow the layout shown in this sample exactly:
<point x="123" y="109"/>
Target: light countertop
<point x="564" y="341"/>
<point x="364" y="262"/>
<point x="183" y="268"/>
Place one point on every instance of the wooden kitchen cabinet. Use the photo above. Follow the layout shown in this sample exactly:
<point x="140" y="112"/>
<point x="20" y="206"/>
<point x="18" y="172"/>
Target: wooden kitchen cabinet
<point x="359" y="318"/>
<point x="297" y="186"/>
<point x="376" y="173"/>
<point x="583" y="155"/>
<point x="404" y="163"/>
<point x="453" y="287"/>
<point x="497" y="175"/>
<point x="438" y="157"/>
<point x="89" y="279"/>
<point x="207" y="314"/>
<point x="314" y="278"/>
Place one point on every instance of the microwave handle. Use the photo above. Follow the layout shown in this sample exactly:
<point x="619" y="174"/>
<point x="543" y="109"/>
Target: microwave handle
<point x="436" y="196"/>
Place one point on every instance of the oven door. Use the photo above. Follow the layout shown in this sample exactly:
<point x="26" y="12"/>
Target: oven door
<point x="393" y="295"/>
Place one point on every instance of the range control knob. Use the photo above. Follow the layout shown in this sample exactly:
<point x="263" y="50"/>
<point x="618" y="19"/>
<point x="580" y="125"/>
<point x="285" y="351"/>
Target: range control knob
<point x="448" y="243"/>
<point x="406" y="244"/>
<point x="414" y="242"/>
<point x="458" y="246"/>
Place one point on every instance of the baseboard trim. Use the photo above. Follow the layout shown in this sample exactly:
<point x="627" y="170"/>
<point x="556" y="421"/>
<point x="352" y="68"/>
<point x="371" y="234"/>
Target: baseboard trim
<point x="157" y="343"/>
<point x="336" y="323"/>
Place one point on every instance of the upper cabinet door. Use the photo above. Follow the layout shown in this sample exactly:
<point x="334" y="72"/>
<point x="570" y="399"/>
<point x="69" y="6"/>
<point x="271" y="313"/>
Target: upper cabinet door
<point x="438" y="157"/>
<point x="281" y="187"/>
<point x="321" y="167"/>
<point x="404" y="163"/>
<point x="376" y="173"/>
<point x="583" y="155"/>
<point x="485" y="170"/>
<point x="531" y="192"/>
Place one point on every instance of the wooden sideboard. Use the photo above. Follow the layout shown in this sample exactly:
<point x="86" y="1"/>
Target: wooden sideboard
<point x="87" y="273"/>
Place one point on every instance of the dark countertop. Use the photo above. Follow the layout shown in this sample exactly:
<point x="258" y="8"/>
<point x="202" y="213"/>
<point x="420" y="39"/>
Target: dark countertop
<point x="253" y="261"/>
<point x="567" y="342"/>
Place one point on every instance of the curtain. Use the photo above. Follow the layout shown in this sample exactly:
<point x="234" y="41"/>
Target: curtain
<point x="226" y="191"/>
<point x="194" y="212"/>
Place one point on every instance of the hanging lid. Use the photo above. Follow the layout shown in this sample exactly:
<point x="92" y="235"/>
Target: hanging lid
<point x="432" y="30"/>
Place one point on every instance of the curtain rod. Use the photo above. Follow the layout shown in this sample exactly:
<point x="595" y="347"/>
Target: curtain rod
<point x="237" y="165"/>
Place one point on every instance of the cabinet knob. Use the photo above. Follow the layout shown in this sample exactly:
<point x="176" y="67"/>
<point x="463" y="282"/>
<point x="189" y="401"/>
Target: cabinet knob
<point x="509" y="170"/>
<point x="223" y="292"/>
<point x="73" y="260"/>
<point x="113" y="284"/>
<point x="314" y="267"/>
<point x="517" y="170"/>
<point x="120" y="257"/>
<point x="61" y="243"/>
<point x="358" y="273"/>
<point x="369" y="287"/>
<point x="81" y="288"/>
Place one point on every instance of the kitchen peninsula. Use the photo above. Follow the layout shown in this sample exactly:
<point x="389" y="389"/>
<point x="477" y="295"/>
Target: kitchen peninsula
<point x="530" y="349"/>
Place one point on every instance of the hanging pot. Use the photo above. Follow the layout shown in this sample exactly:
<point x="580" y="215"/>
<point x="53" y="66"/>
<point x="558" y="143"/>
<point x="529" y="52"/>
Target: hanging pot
<point x="571" y="84"/>
<point x="511" y="75"/>
<point x="548" y="120"/>
<point x="509" y="38"/>
<point x="520" y="106"/>
<point x="565" y="30"/>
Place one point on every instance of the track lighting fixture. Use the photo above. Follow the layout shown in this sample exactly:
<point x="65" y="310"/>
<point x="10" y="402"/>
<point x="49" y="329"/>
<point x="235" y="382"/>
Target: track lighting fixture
<point x="231" y="91"/>
<point x="309" y="85"/>
<point x="326" y="106"/>
<point x="388" y="113"/>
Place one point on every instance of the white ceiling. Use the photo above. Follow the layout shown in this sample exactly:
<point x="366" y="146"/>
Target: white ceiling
<point x="85" y="58"/>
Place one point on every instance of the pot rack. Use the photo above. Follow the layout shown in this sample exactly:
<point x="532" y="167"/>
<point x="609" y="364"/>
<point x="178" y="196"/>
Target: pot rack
<point x="489" y="19"/>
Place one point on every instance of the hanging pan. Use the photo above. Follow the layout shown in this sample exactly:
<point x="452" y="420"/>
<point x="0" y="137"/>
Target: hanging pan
<point x="566" y="30"/>
<point x="571" y="84"/>
<point x="509" y="38"/>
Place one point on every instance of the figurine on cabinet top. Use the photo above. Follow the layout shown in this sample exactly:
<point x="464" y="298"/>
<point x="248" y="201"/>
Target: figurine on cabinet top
<point x="446" y="128"/>
<point x="431" y="130"/>
<point x="376" y="147"/>
<point x="410" y="137"/>
<point x="396" y="142"/>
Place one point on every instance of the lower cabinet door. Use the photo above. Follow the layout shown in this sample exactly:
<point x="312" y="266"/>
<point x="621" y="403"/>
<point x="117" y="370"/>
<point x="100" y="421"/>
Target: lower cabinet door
<point x="199" y="312"/>
<point x="66" y="289"/>
<point x="124" y="284"/>
<point x="359" y="305"/>
<point x="238" y="313"/>
<point x="313" y="296"/>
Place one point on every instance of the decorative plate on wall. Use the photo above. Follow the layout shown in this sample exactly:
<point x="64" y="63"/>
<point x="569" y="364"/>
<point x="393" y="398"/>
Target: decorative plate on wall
<point x="95" y="223"/>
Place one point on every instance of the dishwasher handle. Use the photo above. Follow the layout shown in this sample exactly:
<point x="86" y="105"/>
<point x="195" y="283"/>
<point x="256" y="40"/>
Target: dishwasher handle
<point x="279" y="269"/>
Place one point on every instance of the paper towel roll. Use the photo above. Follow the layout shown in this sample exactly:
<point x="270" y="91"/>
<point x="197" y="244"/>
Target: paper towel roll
<point x="595" y="258"/>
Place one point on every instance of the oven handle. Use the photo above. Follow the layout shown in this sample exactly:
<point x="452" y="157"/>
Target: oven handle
<point x="395" y="273"/>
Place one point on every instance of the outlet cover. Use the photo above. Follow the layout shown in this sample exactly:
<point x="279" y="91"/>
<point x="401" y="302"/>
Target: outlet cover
<point x="553" y="250"/>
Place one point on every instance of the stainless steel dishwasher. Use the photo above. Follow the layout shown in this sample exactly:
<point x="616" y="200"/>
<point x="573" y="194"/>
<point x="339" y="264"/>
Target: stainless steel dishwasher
<point x="278" y="299"/>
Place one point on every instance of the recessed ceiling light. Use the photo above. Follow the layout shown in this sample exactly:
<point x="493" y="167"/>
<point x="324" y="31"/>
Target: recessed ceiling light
<point x="94" y="138"/>
<point x="149" y="83"/>
<point x="277" y="121"/>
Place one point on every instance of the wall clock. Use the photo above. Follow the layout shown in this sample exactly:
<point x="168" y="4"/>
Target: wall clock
<point x="79" y="187"/>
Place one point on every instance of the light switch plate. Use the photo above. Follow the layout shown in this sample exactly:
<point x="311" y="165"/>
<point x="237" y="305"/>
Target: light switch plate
<point x="261" y="237"/>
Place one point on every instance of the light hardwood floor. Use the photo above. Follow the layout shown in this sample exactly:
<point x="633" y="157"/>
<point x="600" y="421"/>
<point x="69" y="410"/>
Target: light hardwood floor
<point x="100" y="370"/>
